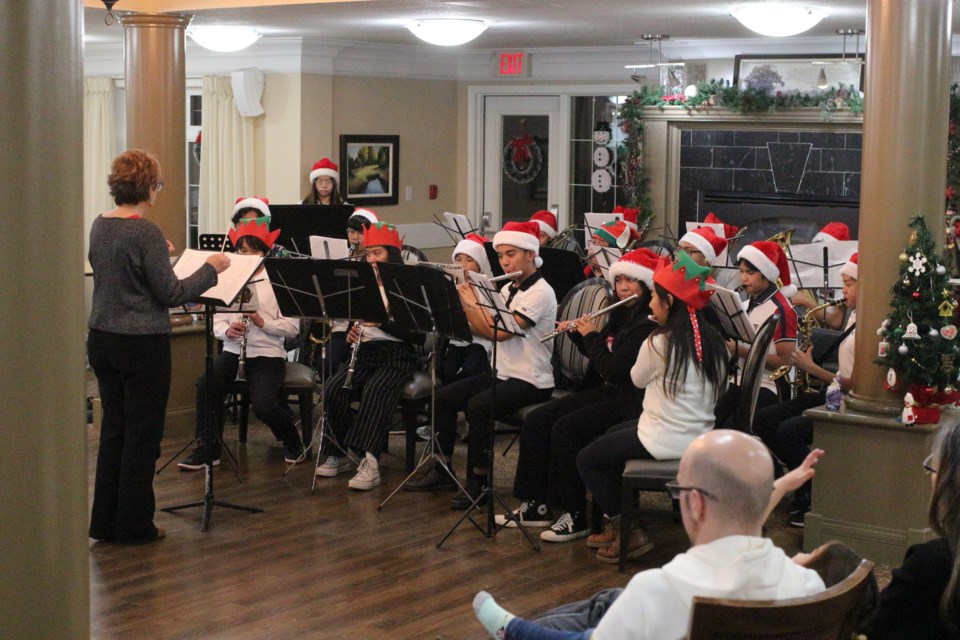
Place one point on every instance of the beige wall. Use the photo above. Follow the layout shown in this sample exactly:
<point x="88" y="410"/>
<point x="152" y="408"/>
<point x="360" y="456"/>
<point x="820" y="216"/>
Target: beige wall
<point x="424" y="113"/>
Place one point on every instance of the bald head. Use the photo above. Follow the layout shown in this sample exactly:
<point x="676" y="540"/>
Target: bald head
<point x="736" y="470"/>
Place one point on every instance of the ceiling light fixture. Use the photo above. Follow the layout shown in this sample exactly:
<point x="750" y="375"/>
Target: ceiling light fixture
<point x="777" y="19"/>
<point x="223" y="39"/>
<point x="650" y="38"/>
<point x="447" y="32"/>
<point x="822" y="82"/>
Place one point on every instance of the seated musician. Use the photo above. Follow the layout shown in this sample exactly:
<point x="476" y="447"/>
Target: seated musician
<point x="547" y="221"/>
<point x="464" y="359"/>
<point x="831" y="317"/>
<point x="384" y="361"/>
<point x="783" y="426"/>
<point x="554" y="433"/>
<point x="258" y="338"/>
<point x="703" y="245"/>
<point x="765" y="277"/>
<point x="524" y="371"/>
<point x="257" y="208"/>
<point x="612" y="234"/>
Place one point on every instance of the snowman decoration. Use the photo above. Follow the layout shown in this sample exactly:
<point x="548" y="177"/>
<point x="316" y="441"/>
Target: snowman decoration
<point x="601" y="180"/>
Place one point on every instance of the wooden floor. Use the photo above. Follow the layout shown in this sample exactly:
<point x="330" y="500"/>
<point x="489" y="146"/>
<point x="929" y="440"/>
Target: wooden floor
<point x="331" y="565"/>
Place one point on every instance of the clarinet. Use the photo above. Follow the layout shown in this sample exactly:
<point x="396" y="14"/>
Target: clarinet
<point x="242" y="362"/>
<point x="348" y="382"/>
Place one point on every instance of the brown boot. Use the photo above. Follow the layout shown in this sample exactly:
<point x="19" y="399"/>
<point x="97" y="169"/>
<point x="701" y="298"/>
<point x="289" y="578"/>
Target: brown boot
<point x="611" y="529"/>
<point x="639" y="545"/>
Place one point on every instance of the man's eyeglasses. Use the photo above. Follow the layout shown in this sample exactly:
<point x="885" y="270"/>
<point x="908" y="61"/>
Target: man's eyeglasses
<point x="159" y="185"/>
<point x="928" y="467"/>
<point x="675" y="489"/>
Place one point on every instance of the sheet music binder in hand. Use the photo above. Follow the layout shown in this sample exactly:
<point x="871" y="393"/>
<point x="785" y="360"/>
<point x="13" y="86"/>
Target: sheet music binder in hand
<point x="229" y="283"/>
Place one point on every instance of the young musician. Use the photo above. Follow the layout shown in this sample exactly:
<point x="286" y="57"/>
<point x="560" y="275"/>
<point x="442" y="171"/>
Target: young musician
<point x="324" y="184"/>
<point x="464" y="359"/>
<point x="256" y="208"/>
<point x="831" y="317"/>
<point x="703" y="245"/>
<point x="782" y="426"/>
<point x="358" y="222"/>
<point x="682" y="366"/>
<point x="258" y="338"/>
<point x="612" y="234"/>
<point x="524" y="371"/>
<point x="547" y="221"/>
<point x="765" y="277"/>
<point x="554" y="433"/>
<point x="385" y="360"/>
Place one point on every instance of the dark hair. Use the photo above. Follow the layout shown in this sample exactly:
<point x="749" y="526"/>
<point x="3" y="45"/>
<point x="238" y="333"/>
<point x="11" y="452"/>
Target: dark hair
<point x="314" y="196"/>
<point x="680" y="347"/>
<point x="358" y="223"/>
<point x="945" y="510"/>
<point x="623" y="316"/>
<point x="252" y="242"/>
<point x="751" y="267"/>
<point x="393" y="254"/>
<point x="132" y="174"/>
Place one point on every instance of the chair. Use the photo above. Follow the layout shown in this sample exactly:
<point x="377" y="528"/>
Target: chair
<point x="299" y="382"/>
<point x="652" y="475"/>
<point x="412" y="255"/>
<point x="830" y="615"/>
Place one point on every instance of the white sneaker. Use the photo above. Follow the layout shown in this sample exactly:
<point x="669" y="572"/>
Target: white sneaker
<point x="530" y="512"/>
<point x="368" y="474"/>
<point x="333" y="466"/>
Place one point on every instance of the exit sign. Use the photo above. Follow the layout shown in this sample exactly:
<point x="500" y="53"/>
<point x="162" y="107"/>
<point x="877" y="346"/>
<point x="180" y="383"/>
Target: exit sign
<point x="513" y="63"/>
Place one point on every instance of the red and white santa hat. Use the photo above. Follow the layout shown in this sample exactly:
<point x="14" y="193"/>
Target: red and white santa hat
<point x="325" y="167"/>
<point x="630" y="215"/>
<point x="728" y="229"/>
<point x="832" y="231"/>
<point x="366" y="213"/>
<point x="547" y="221"/>
<point x="849" y="268"/>
<point x="639" y="264"/>
<point x="523" y="235"/>
<point x="253" y="202"/>
<point x="769" y="258"/>
<point x="706" y="241"/>
<point x="473" y="246"/>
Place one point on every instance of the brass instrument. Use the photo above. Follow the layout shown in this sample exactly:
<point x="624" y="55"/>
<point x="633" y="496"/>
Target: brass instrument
<point x="318" y="334"/>
<point x="242" y="362"/>
<point x="805" y="327"/>
<point x="594" y="314"/>
<point x="348" y="382"/>
<point x="560" y="240"/>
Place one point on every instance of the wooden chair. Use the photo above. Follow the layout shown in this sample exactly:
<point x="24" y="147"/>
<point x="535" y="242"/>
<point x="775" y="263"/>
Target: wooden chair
<point x="653" y="475"/>
<point x="830" y="615"/>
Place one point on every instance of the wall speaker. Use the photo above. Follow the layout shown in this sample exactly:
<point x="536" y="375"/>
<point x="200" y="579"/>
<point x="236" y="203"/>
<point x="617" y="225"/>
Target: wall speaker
<point x="247" y="91"/>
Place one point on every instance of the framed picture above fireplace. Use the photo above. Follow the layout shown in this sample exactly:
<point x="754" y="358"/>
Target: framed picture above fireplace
<point x="783" y="73"/>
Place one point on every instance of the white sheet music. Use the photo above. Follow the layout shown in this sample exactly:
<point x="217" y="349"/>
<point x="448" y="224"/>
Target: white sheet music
<point x="329" y="248"/>
<point x="489" y="297"/>
<point x="229" y="282"/>
<point x="733" y="317"/>
<point x="459" y="223"/>
<point x="455" y="270"/>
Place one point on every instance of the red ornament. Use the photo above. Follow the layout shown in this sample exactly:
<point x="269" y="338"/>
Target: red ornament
<point x="916" y="295"/>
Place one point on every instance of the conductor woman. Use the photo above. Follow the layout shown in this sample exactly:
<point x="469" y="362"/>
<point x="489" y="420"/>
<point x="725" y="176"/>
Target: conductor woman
<point x="129" y="346"/>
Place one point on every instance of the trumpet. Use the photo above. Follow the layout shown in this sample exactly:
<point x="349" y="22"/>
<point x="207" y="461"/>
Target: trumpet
<point x="596" y="314"/>
<point x="242" y="362"/>
<point x="348" y="382"/>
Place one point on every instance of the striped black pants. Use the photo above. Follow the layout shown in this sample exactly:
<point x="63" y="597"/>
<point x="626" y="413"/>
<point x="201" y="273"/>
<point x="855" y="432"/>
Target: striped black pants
<point x="382" y="369"/>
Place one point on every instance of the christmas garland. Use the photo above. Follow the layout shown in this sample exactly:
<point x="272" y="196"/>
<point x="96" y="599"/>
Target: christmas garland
<point x="634" y="179"/>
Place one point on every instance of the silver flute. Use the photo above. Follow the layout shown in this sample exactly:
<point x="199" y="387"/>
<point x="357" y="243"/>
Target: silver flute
<point x="242" y="362"/>
<point x="595" y="314"/>
<point x="348" y="382"/>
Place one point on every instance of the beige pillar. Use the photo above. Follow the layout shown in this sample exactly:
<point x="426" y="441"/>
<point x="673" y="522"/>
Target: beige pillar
<point x="43" y="462"/>
<point x="155" y="78"/>
<point x="870" y="491"/>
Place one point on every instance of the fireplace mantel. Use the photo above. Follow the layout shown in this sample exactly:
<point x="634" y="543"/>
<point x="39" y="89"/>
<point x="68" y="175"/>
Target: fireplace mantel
<point x="663" y="128"/>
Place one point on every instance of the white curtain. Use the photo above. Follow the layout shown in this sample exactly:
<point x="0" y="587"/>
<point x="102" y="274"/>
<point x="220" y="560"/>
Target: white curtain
<point x="226" y="159"/>
<point x="99" y="148"/>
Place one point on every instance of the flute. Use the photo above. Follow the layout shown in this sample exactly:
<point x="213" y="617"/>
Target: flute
<point x="507" y="276"/>
<point x="595" y="314"/>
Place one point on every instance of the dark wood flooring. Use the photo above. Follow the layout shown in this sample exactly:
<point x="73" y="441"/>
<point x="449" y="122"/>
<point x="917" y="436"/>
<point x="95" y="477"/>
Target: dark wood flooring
<point x="331" y="565"/>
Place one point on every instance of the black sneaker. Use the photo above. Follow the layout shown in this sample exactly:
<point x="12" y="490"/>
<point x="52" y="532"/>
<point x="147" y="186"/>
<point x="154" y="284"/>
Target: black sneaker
<point x="569" y="526"/>
<point x="800" y="503"/>
<point x="436" y="479"/>
<point x="474" y="488"/>
<point x="197" y="460"/>
<point x="797" y="519"/>
<point x="294" y="453"/>
<point x="531" y="513"/>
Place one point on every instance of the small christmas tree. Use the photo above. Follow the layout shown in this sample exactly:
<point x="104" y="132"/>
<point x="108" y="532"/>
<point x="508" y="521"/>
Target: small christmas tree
<point x="918" y="338"/>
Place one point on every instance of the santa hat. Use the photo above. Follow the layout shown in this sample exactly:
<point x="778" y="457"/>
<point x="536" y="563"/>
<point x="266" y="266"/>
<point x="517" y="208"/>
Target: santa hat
<point x="639" y="264"/>
<point x="629" y="215"/>
<point x="832" y="231"/>
<point x="728" y="229"/>
<point x="474" y="246"/>
<point x="257" y="228"/>
<point x="849" y="268"/>
<point x="616" y="233"/>
<point x="685" y="280"/>
<point x="382" y="234"/>
<point x="253" y="202"/>
<point x="360" y="219"/>
<point x="523" y="235"/>
<point x="547" y="221"/>
<point x="706" y="241"/>
<point x="769" y="258"/>
<point x="325" y="167"/>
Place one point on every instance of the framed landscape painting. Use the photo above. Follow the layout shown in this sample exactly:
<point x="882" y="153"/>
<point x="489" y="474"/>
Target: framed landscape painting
<point x="773" y="74"/>
<point x="370" y="169"/>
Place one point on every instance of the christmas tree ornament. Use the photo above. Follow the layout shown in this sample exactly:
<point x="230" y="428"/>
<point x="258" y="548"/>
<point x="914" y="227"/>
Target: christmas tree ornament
<point x="902" y="350"/>
<point x="913" y="238"/>
<point x="918" y="264"/>
<point x="941" y="269"/>
<point x="903" y="257"/>
<point x="933" y="333"/>
<point x="882" y="349"/>
<point x="911" y="332"/>
<point x="948" y="331"/>
<point x="916" y="295"/>
<point x="880" y="332"/>
<point x="891" y="379"/>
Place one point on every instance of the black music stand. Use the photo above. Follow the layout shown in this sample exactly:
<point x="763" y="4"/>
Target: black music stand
<point x="503" y="319"/>
<point x="425" y="298"/>
<point x="733" y="320"/>
<point x="297" y="222"/>
<point x="457" y="226"/>
<point x="325" y="290"/>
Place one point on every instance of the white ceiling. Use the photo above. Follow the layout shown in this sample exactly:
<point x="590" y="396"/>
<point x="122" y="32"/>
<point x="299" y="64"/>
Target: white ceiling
<point x="512" y="23"/>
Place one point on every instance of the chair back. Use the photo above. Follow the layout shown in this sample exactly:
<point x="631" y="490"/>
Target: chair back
<point x="753" y="373"/>
<point x="830" y="615"/>
<point x="412" y="255"/>
<point x="586" y="297"/>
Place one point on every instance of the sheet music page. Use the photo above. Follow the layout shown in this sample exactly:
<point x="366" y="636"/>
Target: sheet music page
<point x="459" y="223"/>
<point x="732" y="315"/>
<point x="229" y="282"/>
<point x="454" y="270"/>
<point x="489" y="296"/>
<point x="329" y="248"/>
<point x="606" y="257"/>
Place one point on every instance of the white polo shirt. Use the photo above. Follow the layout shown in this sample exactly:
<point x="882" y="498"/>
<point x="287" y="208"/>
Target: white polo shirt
<point x="526" y="358"/>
